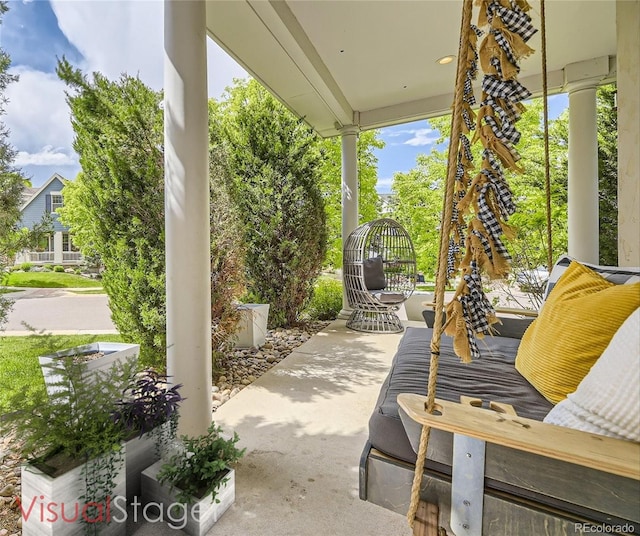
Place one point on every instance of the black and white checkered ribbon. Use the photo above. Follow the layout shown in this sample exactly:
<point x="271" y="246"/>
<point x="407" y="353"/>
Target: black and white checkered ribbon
<point x="476" y="308"/>
<point x="479" y="33"/>
<point x="516" y="20"/>
<point x="465" y="147"/>
<point x="490" y="222"/>
<point x="507" y="137"/>
<point x="452" y="258"/>
<point x="504" y="45"/>
<point x="484" y="242"/>
<point x="506" y="125"/>
<point x="495" y="63"/>
<point x="503" y="194"/>
<point x="505" y="89"/>
<point x="486" y="215"/>
<point x="468" y="122"/>
<point x="460" y="172"/>
<point x="468" y="95"/>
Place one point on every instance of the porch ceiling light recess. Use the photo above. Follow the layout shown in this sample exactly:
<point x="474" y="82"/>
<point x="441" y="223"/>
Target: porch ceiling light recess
<point x="445" y="59"/>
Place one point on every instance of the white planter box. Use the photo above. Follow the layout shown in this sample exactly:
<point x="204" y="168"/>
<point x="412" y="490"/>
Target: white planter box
<point x="199" y="517"/>
<point x="115" y="352"/>
<point x="252" y="328"/>
<point x="49" y="504"/>
<point x="140" y="453"/>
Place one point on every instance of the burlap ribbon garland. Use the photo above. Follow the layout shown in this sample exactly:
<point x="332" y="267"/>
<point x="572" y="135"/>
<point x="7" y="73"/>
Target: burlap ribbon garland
<point x="486" y="201"/>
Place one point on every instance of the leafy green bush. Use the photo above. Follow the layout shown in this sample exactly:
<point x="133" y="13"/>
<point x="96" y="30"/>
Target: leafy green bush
<point x="201" y="468"/>
<point x="58" y="268"/>
<point x="275" y="161"/>
<point x="116" y="208"/>
<point x="48" y="267"/>
<point x="326" y="301"/>
<point x="227" y="253"/>
<point x="26" y="266"/>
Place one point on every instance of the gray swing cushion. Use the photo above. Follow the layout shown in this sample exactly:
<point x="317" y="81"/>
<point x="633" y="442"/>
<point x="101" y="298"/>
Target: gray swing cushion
<point x="492" y="377"/>
<point x="373" y="272"/>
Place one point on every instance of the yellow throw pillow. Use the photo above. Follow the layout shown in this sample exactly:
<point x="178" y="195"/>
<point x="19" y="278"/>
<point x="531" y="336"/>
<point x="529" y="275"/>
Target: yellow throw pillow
<point x="579" y="318"/>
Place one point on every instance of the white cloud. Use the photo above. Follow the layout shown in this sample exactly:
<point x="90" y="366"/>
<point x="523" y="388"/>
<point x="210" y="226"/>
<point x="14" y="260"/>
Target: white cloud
<point x="423" y="136"/>
<point x="37" y="113"/>
<point x="394" y="132"/>
<point x="114" y="38"/>
<point x="47" y="156"/>
<point x="384" y="184"/>
<point x="128" y="37"/>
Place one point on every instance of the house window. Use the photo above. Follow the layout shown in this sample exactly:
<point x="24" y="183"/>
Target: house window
<point x="45" y="243"/>
<point x="56" y="201"/>
<point x="67" y="243"/>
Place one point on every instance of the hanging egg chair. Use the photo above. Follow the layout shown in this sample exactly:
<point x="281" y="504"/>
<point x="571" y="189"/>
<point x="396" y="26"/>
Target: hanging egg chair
<point x="379" y="274"/>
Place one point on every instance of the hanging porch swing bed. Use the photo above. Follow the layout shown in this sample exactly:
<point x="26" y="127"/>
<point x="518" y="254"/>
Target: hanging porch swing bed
<point x="528" y="427"/>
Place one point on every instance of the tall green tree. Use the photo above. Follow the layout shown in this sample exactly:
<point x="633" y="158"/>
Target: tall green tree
<point x="608" y="173"/>
<point x="275" y="163"/>
<point x="331" y="186"/>
<point x="227" y="247"/>
<point x="530" y="244"/>
<point x="419" y="193"/>
<point x="418" y="207"/>
<point x="115" y="208"/>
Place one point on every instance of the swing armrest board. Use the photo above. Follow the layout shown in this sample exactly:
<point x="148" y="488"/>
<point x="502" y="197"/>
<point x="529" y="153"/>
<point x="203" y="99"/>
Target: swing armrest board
<point x="589" y="450"/>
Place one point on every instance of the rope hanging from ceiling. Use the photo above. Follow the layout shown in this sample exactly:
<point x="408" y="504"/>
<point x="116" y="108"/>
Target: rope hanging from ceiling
<point x="486" y="200"/>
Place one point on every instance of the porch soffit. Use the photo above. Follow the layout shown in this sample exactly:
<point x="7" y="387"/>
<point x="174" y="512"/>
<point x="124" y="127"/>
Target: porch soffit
<point x="373" y="63"/>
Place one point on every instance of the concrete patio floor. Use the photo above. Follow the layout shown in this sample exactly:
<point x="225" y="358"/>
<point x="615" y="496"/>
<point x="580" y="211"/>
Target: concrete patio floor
<point x="304" y="425"/>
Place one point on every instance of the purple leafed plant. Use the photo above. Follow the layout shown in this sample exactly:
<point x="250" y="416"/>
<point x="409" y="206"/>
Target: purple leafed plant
<point x="149" y="404"/>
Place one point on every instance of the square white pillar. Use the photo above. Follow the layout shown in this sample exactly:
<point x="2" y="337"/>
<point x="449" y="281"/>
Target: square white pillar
<point x="57" y="248"/>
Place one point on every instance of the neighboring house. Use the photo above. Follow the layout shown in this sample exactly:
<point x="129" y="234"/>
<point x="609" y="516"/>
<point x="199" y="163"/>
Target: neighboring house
<point x="56" y="247"/>
<point x="387" y="204"/>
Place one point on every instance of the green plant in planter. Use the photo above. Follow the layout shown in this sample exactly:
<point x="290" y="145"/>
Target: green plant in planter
<point x="202" y="466"/>
<point x="74" y="420"/>
<point x="73" y="426"/>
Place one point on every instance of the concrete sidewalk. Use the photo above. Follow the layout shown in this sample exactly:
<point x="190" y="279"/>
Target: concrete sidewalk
<point x="304" y="425"/>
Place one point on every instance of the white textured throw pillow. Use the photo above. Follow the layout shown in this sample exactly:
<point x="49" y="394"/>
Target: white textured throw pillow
<point x="607" y="401"/>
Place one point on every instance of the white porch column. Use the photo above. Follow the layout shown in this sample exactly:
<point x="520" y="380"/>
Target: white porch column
<point x="187" y="210"/>
<point x="627" y="22"/>
<point x="583" y="227"/>
<point x="57" y="248"/>
<point x="349" y="194"/>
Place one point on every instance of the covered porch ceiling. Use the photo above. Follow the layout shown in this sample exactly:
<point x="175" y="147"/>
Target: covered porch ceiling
<point x="372" y="63"/>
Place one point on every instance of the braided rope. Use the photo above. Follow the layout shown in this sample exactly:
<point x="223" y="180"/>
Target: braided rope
<point x="547" y="177"/>
<point x="441" y="278"/>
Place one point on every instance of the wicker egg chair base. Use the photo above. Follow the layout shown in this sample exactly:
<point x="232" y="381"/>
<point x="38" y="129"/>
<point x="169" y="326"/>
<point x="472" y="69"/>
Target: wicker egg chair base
<point x="375" y="321"/>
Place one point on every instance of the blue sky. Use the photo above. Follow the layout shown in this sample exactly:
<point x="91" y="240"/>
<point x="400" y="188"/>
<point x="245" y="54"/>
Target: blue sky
<point x="116" y="37"/>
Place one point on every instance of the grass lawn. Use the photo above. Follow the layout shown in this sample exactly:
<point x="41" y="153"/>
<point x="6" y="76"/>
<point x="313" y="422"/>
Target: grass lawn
<point x="48" y="280"/>
<point x="19" y="367"/>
